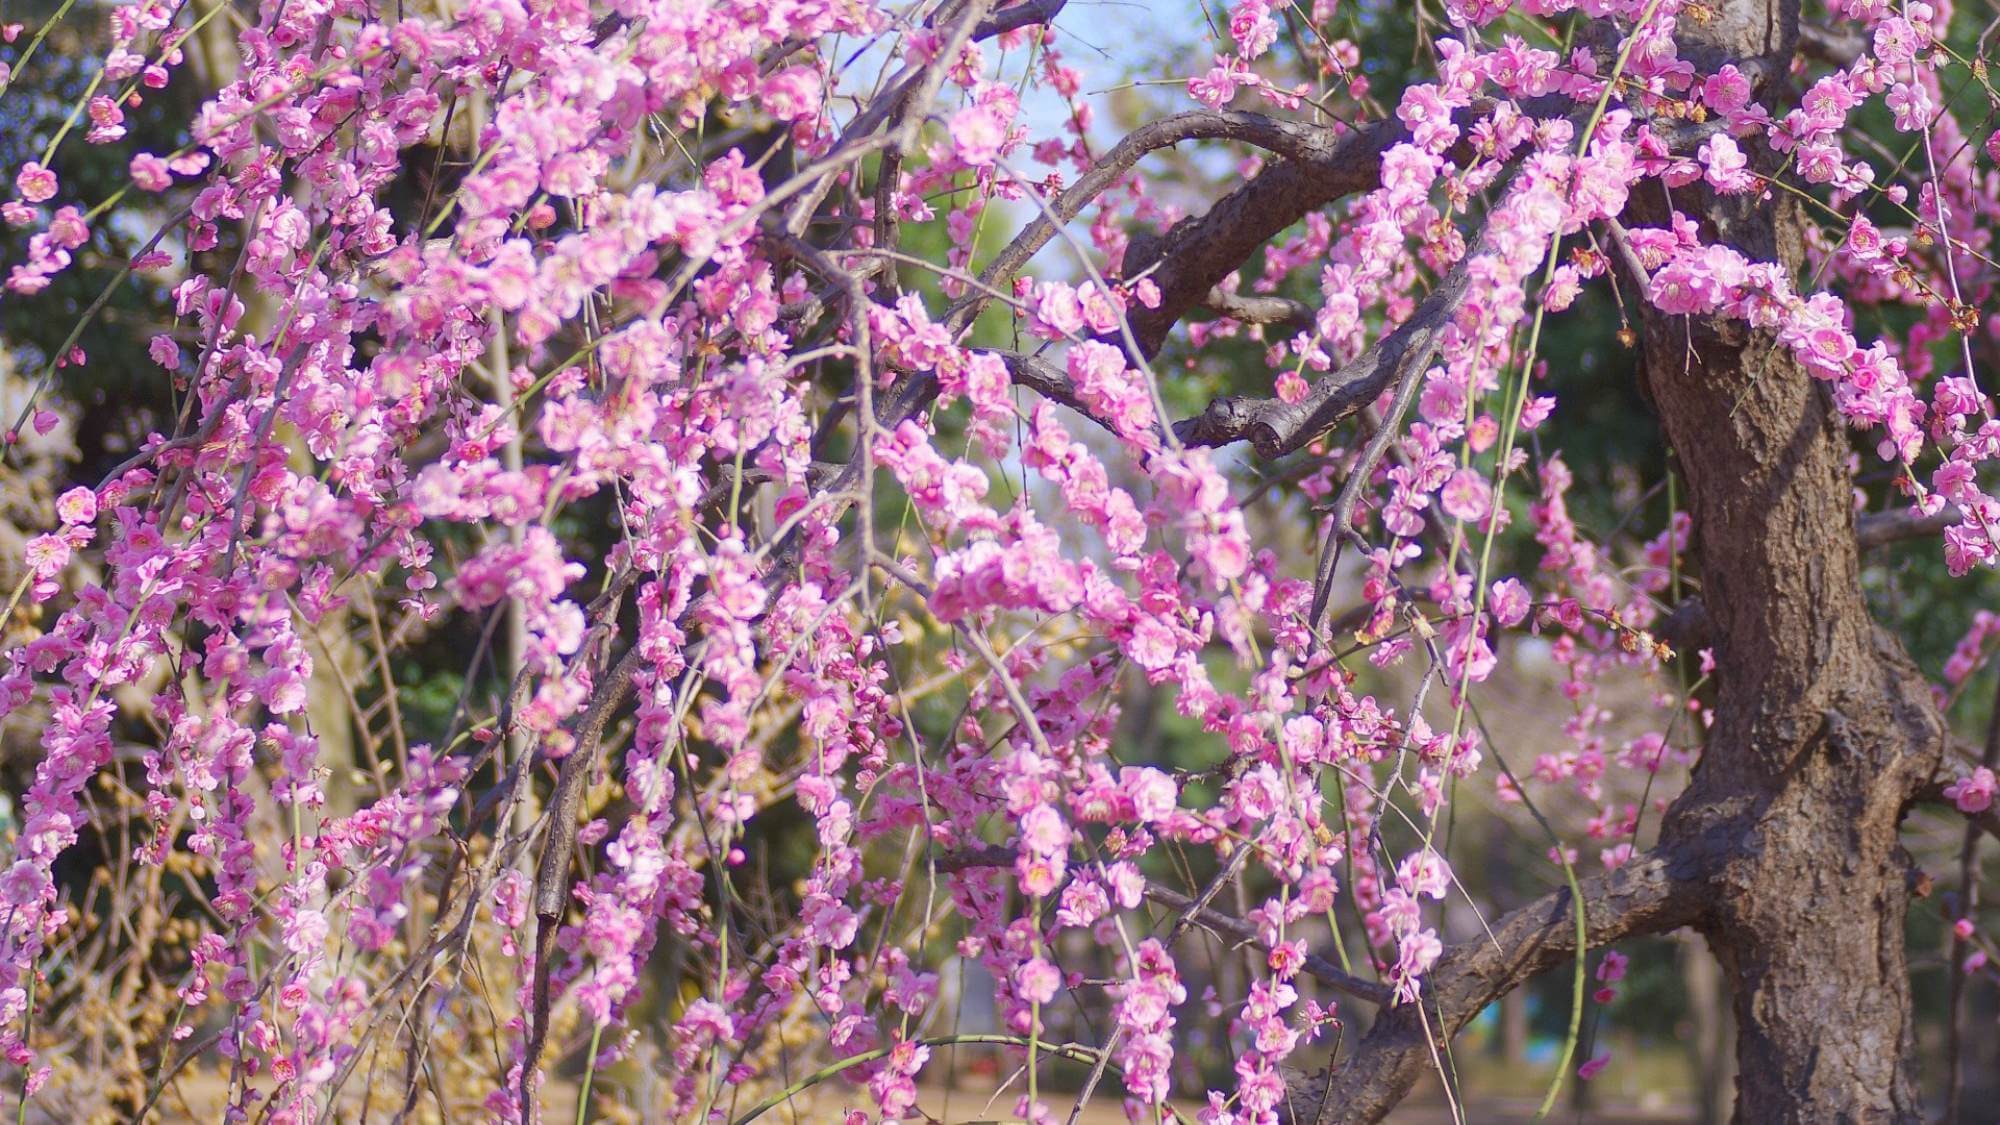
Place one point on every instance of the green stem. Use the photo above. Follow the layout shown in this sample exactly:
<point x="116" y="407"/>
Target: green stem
<point x="589" y="1072"/>
<point x="41" y="33"/>
<point x="75" y="112"/>
<point x="1576" y="989"/>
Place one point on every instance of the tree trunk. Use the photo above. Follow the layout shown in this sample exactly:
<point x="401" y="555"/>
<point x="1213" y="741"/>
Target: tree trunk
<point x="1783" y="852"/>
<point x="1824" y="729"/>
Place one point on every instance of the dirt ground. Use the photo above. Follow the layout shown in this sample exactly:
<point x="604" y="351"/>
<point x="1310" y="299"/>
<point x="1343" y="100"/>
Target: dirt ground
<point x="965" y="1107"/>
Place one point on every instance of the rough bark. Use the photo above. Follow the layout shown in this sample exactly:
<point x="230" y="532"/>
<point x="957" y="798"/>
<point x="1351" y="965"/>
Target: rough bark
<point x="1824" y="730"/>
<point x="1784" y="849"/>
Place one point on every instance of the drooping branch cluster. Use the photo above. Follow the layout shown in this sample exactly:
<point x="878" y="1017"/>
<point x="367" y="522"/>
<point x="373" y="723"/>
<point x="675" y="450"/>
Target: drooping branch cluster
<point x="766" y="425"/>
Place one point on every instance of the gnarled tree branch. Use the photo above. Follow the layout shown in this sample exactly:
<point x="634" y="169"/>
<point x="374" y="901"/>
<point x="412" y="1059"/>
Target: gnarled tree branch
<point x="1297" y="141"/>
<point x="1274" y="427"/>
<point x="1655" y="893"/>
<point x="1198" y="252"/>
<point x="1017" y="17"/>
<point x="1253" y="309"/>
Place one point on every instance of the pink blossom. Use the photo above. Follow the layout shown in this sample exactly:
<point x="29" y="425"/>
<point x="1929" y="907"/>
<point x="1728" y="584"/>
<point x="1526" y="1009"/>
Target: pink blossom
<point x="1467" y="496"/>
<point x="164" y="351"/>
<point x="1727" y="90"/>
<point x="1037" y="981"/>
<point x="1611" y="969"/>
<point x="1416" y="952"/>
<point x="1111" y="389"/>
<point x="1043" y="832"/>
<point x="977" y="133"/>
<point x="1972" y="793"/>
<point x="77" y="506"/>
<point x="1251" y="25"/>
<point x="22" y="884"/>
<point x="1725" y="166"/>
<point x="1217" y="88"/>
<point x="150" y="172"/>
<point x="1152" y="645"/>
<point x="793" y="93"/>
<point x="1152" y="792"/>
<point x="34" y="182"/>
<point x="1910" y="105"/>
<point x="1510" y="602"/>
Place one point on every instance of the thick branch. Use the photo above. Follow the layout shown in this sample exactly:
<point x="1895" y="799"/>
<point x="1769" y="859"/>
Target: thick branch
<point x="1876" y="529"/>
<point x="1275" y="427"/>
<point x="1017" y="17"/>
<point x="1251" y="309"/>
<point x="1321" y="969"/>
<point x="1654" y="894"/>
<point x="1823" y="727"/>
<point x="1838" y="48"/>
<point x="552" y="874"/>
<point x="1051" y="382"/>
<point x="1198" y="252"/>
<point x="1294" y="140"/>
<point x="1045" y="379"/>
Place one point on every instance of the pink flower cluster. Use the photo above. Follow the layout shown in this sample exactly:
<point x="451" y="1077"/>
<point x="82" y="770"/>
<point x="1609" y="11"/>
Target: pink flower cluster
<point x="655" y="380"/>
